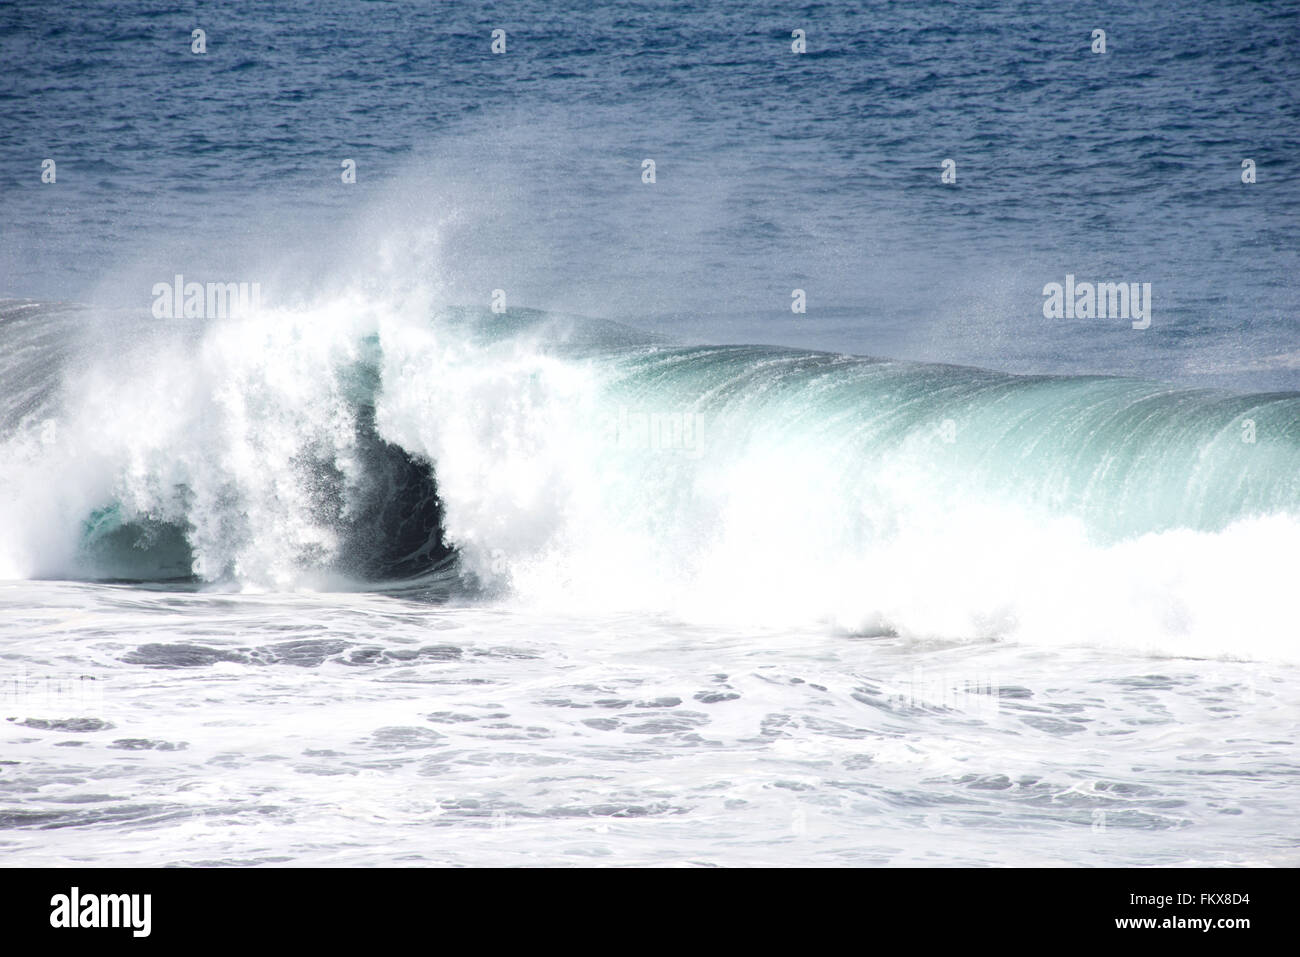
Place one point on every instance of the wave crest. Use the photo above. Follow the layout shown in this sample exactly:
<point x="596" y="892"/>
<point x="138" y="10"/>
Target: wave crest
<point x="579" y="464"/>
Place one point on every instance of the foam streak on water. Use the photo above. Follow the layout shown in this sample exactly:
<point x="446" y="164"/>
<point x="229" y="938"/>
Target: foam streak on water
<point x="319" y="730"/>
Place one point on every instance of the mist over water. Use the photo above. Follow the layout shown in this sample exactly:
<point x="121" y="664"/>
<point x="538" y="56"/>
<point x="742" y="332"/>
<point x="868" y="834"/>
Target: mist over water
<point x="777" y="171"/>
<point x="644" y="567"/>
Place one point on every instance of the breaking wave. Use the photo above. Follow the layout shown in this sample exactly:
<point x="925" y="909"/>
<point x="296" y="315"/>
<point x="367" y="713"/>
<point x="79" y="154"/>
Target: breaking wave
<point x="578" y="464"/>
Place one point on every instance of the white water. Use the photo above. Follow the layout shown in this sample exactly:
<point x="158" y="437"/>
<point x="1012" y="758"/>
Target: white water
<point x="739" y="650"/>
<point x="524" y="737"/>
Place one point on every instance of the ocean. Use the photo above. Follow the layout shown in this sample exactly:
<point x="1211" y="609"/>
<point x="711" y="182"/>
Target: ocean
<point x="660" y="434"/>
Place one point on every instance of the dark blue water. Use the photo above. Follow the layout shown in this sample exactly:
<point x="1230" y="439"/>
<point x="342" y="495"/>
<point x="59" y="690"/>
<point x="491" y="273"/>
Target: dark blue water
<point x="775" y="171"/>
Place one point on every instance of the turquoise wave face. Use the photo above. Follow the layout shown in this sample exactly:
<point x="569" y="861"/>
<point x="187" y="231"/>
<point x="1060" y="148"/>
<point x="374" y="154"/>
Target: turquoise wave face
<point x="1125" y="456"/>
<point x="140" y="550"/>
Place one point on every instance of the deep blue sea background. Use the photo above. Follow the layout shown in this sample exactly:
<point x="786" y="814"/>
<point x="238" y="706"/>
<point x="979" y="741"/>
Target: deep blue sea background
<point x="775" y="171"/>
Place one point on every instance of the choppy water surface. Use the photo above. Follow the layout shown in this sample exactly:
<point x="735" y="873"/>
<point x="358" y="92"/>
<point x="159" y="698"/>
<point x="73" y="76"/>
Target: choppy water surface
<point x="361" y="730"/>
